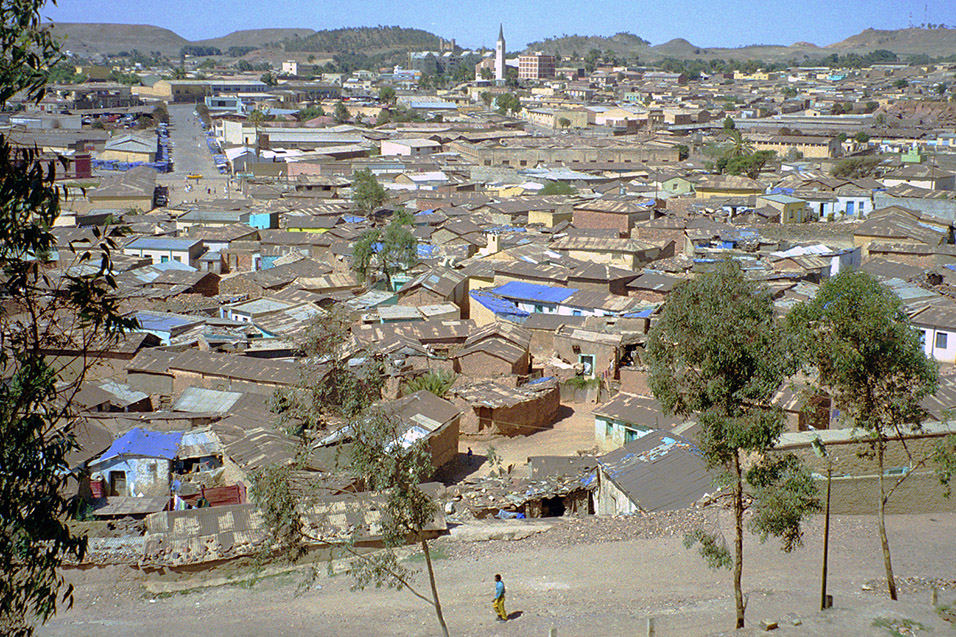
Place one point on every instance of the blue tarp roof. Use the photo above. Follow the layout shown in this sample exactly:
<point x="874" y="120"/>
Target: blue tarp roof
<point x="498" y="306"/>
<point x="140" y="442"/>
<point x="148" y="243"/>
<point x="425" y="251"/>
<point x="534" y="292"/>
<point x="538" y="381"/>
<point x="642" y="314"/>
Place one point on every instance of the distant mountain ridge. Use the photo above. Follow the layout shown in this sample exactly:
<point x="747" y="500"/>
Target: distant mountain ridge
<point x="87" y="39"/>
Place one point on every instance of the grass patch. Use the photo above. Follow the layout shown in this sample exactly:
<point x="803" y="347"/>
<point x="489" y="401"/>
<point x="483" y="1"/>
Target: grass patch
<point x="437" y="553"/>
<point x="898" y="627"/>
<point x="582" y="382"/>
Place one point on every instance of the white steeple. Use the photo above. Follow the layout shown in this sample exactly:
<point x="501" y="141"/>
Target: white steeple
<point x="500" y="55"/>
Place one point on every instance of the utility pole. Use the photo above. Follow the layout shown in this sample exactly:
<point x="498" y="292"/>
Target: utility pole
<point x="821" y="451"/>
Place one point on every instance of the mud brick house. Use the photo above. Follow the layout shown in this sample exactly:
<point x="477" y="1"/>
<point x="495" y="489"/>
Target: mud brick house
<point x="627" y="417"/>
<point x="492" y="358"/>
<point x="491" y="407"/>
<point x="609" y="214"/>
<point x="438" y="285"/>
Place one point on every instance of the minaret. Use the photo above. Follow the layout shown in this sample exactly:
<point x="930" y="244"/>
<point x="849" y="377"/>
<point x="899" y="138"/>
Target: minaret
<point x="500" y="55"/>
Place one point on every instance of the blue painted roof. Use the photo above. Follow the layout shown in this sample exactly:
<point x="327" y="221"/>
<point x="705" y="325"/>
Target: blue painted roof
<point x="148" y="243"/>
<point x="534" y="292"/>
<point x="140" y="442"/>
<point x="498" y="306"/>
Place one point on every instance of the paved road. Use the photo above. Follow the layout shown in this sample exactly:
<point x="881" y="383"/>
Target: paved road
<point x="191" y="156"/>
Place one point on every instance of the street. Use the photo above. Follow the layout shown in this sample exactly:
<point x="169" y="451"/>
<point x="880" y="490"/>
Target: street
<point x="191" y="157"/>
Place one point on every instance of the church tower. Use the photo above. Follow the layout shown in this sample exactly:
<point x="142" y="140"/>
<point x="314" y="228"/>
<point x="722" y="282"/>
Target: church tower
<point x="500" y="55"/>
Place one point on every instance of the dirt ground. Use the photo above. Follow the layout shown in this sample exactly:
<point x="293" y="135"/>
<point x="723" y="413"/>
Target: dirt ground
<point x="597" y="576"/>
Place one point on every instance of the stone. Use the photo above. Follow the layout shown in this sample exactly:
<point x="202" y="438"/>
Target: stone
<point x="768" y="625"/>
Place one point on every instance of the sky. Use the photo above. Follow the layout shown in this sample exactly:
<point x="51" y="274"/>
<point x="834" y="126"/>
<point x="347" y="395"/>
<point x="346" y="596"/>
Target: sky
<point x="474" y="23"/>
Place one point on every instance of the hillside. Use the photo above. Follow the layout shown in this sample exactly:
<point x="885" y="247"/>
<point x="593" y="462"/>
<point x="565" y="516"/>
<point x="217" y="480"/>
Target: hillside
<point x="254" y="37"/>
<point x="89" y="39"/>
<point x="365" y="40"/>
<point x="903" y="42"/>
<point x="933" y="42"/>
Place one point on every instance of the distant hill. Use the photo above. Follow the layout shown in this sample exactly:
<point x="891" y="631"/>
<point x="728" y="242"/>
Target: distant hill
<point x="384" y="42"/>
<point x="933" y="42"/>
<point x="936" y="42"/>
<point x="89" y="39"/>
<point x="568" y="45"/>
<point x="365" y="40"/>
<point x="255" y="37"/>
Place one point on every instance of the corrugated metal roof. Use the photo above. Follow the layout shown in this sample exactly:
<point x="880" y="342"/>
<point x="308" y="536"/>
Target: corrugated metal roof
<point x="148" y="243"/>
<point x="200" y="400"/>
<point x="659" y="471"/>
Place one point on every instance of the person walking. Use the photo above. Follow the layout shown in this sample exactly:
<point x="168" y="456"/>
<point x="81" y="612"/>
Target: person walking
<point x="499" y="601"/>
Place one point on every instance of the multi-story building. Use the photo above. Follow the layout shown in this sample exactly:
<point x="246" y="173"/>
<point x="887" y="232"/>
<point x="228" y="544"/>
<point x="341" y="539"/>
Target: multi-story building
<point x="535" y="66"/>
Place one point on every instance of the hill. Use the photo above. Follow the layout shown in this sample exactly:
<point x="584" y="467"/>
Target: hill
<point x="254" y="37"/>
<point x="97" y="38"/>
<point x="936" y="42"/>
<point x="933" y="42"/>
<point x="365" y="40"/>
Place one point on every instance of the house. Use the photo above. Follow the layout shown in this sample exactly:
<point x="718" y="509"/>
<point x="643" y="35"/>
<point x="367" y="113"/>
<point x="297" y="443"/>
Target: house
<point x="711" y="186"/>
<point x="531" y="297"/>
<point x="659" y="471"/>
<point x="136" y="188"/>
<point x="898" y="225"/>
<point x="418" y="147"/>
<point x="138" y="463"/>
<point x="791" y="209"/>
<point x="487" y="309"/>
<point x="809" y="146"/>
<point x="165" y="325"/>
<point x="491" y="407"/>
<point x="620" y="252"/>
<point x="430" y="418"/>
<point x="492" y="357"/>
<point x="130" y="148"/>
<point x="163" y="250"/>
<point x="937" y="325"/>
<point x="601" y="277"/>
<point x="611" y="214"/>
<point x="920" y="176"/>
<point x="627" y="417"/>
<point x="438" y="285"/>
<point x="652" y="286"/>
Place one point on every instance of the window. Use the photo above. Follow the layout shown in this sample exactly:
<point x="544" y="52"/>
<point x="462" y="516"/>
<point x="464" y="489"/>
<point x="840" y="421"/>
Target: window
<point x="587" y="362"/>
<point x="163" y="259"/>
<point x="608" y="428"/>
<point x="630" y="435"/>
<point x="539" y="308"/>
<point x="922" y="337"/>
<point x="179" y="259"/>
<point x="941" y="340"/>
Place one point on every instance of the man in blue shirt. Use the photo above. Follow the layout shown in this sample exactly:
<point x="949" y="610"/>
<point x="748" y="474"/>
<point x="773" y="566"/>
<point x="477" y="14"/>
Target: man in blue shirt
<point x="499" y="602"/>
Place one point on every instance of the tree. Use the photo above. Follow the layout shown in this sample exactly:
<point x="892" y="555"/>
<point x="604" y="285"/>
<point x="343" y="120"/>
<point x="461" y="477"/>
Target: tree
<point x="718" y="353"/>
<point x="855" y="167"/>
<point x="861" y="138"/>
<point x="856" y="337"/>
<point x="901" y="83"/>
<point x="564" y="122"/>
<point x="749" y="165"/>
<point x="486" y="97"/>
<point x="738" y="144"/>
<point x="341" y="113"/>
<point x="380" y="457"/>
<point x="386" y="95"/>
<point x="388" y="252"/>
<point x="558" y="188"/>
<point x="486" y="74"/>
<point x="44" y="310"/>
<point x="729" y="124"/>
<point x="508" y="103"/>
<point x="160" y="114"/>
<point x="269" y="79"/>
<point x="367" y="193"/>
<point x="310" y="112"/>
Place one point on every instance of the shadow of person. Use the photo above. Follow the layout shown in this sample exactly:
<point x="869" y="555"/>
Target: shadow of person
<point x="515" y="615"/>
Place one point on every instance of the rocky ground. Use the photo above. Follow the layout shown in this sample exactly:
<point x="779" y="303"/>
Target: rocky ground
<point x="596" y="576"/>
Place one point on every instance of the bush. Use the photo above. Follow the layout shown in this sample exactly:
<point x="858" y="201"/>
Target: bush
<point x="437" y="382"/>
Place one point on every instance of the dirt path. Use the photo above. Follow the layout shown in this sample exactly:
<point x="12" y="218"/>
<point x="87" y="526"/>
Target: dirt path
<point x="579" y="577"/>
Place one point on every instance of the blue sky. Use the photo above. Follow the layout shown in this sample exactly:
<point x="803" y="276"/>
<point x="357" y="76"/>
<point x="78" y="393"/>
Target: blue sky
<point x="707" y="23"/>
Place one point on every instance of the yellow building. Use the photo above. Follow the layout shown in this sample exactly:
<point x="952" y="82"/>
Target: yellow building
<point x="792" y="209"/>
<point x="130" y="148"/>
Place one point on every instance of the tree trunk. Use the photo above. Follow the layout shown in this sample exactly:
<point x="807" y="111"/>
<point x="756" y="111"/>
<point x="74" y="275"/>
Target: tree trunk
<point x="884" y="542"/>
<point x="738" y="540"/>
<point x="431" y="580"/>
